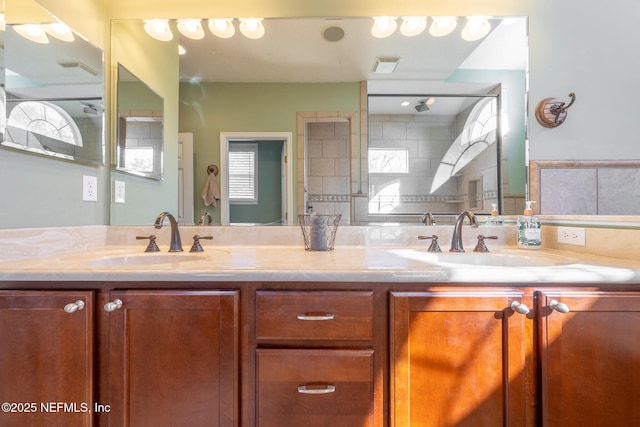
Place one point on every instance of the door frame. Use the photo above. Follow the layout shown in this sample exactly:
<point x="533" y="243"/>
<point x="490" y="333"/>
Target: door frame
<point x="225" y="138"/>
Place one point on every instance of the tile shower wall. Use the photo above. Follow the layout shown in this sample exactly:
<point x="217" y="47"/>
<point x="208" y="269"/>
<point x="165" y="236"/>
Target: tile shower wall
<point x="328" y="168"/>
<point x="427" y="139"/>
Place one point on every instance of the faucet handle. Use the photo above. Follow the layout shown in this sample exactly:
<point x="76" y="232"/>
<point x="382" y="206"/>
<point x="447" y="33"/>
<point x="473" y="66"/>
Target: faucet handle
<point x="481" y="247"/>
<point x="197" y="247"/>
<point x="434" y="247"/>
<point x="152" y="246"/>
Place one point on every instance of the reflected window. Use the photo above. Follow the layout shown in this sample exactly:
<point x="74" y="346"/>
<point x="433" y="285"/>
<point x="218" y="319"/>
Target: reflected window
<point x="139" y="159"/>
<point x="388" y="160"/>
<point x="45" y="119"/>
<point x="243" y="165"/>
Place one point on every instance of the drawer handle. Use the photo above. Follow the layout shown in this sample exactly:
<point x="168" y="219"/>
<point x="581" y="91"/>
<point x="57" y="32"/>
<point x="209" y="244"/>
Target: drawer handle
<point x="518" y="307"/>
<point x="316" y="316"/>
<point x="315" y="390"/>
<point x="113" y="305"/>
<point x="558" y="306"/>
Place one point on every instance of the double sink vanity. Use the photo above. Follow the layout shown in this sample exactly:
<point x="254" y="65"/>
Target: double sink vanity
<point x="257" y="331"/>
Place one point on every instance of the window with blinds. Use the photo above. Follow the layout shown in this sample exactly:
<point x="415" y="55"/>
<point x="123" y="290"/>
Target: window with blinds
<point x="243" y="172"/>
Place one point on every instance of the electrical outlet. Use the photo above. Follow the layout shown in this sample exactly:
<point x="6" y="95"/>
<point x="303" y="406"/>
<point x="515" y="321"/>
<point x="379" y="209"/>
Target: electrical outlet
<point x="118" y="191"/>
<point x="572" y="236"/>
<point x="89" y="188"/>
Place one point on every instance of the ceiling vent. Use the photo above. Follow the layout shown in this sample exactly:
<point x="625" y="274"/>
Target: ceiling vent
<point x="80" y="66"/>
<point x="422" y="107"/>
<point x="385" y="65"/>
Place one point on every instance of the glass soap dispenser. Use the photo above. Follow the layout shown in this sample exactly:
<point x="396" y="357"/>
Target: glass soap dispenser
<point x="529" y="229"/>
<point x="495" y="218"/>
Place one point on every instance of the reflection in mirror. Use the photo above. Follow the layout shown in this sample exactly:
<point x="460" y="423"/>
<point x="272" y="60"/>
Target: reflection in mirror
<point x="139" y="149"/>
<point x="54" y="86"/>
<point x="443" y="158"/>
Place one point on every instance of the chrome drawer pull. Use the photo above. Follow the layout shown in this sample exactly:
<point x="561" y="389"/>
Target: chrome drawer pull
<point x="72" y="307"/>
<point x="316" y="316"/>
<point x="113" y="305"/>
<point x="327" y="389"/>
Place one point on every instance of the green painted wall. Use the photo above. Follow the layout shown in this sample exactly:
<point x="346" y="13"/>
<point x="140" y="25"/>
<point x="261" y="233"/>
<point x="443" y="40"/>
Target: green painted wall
<point x="206" y="109"/>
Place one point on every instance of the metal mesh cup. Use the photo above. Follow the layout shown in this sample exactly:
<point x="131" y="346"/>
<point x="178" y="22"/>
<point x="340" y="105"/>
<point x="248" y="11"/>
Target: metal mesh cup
<point x="319" y="231"/>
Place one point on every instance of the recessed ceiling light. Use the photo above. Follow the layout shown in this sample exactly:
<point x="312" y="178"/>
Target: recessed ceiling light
<point x="405" y="103"/>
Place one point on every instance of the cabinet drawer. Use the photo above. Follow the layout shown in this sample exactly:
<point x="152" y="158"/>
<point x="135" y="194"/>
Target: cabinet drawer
<point x="314" y="315"/>
<point x="314" y="388"/>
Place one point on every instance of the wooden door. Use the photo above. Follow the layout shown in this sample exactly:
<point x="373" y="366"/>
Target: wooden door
<point x="590" y="358"/>
<point x="46" y="358"/>
<point x="174" y="358"/>
<point x="457" y="359"/>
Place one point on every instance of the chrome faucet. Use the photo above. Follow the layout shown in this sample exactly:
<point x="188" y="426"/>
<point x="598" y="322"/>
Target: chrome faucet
<point x="176" y="244"/>
<point x="206" y="216"/>
<point x="456" y="241"/>
<point x="427" y="219"/>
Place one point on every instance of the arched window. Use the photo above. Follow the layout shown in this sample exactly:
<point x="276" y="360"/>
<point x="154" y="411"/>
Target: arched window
<point x="46" y="119"/>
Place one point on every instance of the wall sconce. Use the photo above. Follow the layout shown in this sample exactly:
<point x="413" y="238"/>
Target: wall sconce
<point x="158" y="29"/>
<point x="383" y="26"/>
<point x="552" y="112"/>
<point x="222" y="27"/>
<point x="251" y="28"/>
<point x="191" y="28"/>
<point x="59" y="31"/>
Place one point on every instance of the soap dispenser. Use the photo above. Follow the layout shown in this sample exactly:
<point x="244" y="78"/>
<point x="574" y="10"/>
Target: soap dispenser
<point x="495" y="218"/>
<point x="529" y="229"/>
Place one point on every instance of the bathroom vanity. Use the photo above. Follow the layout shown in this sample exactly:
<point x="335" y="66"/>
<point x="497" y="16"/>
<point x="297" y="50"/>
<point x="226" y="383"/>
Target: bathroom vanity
<point x="370" y="334"/>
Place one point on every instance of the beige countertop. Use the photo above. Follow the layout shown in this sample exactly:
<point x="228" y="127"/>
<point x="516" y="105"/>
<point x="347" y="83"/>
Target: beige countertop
<point x="366" y="254"/>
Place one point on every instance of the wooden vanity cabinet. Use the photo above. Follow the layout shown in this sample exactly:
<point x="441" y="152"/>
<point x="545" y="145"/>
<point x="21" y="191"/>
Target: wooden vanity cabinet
<point x="173" y="358"/>
<point x="316" y="361"/>
<point x="457" y="359"/>
<point x="46" y="358"/>
<point x="590" y="358"/>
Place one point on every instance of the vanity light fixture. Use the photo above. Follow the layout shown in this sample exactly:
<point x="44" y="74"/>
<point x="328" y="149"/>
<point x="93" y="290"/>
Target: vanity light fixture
<point x="158" y="29"/>
<point x="59" y="31"/>
<point x="33" y="32"/>
<point x="181" y="50"/>
<point x="413" y="25"/>
<point x="476" y="28"/>
<point x="251" y="28"/>
<point x="383" y="26"/>
<point x="222" y="27"/>
<point x="191" y="28"/>
<point x="443" y="25"/>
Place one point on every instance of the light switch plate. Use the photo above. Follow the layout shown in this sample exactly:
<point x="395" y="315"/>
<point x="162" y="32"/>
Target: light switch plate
<point x="89" y="188"/>
<point x="118" y="192"/>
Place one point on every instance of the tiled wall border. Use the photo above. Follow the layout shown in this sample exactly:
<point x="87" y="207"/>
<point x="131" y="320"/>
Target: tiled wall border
<point x="536" y="167"/>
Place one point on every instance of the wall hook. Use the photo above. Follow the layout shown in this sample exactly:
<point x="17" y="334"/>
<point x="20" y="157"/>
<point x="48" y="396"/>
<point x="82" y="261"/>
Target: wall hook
<point x="552" y="112"/>
<point x="212" y="169"/>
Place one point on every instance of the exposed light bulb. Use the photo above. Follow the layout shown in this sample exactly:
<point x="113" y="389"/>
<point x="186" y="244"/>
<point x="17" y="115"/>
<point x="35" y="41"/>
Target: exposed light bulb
<point x="384" y="26"/>
<point x="33" y="32"/>
<point x="413" y="25"/>
<point x="181" y="50"/>
<point x="251" y="28"/>
<point x="158" y="29"/>
<point x="222" y="27"/>
<point x="476" y="28"/>
<point x="59" y="31"/>
<point x="191" y="28"/>
<point x="443" y="25"/>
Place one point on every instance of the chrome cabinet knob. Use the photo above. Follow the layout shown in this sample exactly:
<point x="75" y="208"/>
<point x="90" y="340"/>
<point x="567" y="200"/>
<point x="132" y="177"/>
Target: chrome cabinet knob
<point x="113" y="305"/>
<point x="518" y="307"/>
<point x="72" y="307"/>
<point x="558" y="306"/>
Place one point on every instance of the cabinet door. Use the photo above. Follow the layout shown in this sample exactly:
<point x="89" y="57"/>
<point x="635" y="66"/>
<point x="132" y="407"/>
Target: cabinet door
<point x="46" y="358"/>
<point x="315" y="388"/>
<point x="590" y="358"/>
<point x="174" y="358"/>
<point x="457" y="359"/>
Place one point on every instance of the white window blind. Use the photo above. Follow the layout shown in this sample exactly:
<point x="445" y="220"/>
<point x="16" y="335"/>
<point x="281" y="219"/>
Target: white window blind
<point x="243" y="173"/>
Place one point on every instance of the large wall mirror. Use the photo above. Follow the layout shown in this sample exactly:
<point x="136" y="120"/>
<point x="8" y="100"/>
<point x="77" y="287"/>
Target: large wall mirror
<point x="54" y="85"/>
<point x="140" y="134"/>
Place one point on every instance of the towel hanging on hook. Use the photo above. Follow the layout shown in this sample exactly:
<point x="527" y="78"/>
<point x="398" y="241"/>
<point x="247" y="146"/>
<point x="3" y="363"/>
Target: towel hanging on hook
<point x="212" y="169"/>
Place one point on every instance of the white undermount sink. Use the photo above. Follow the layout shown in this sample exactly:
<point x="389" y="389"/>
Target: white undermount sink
<point x="146" y="259"/>
<point x="503" y="258"/>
